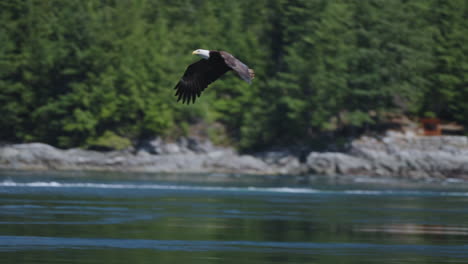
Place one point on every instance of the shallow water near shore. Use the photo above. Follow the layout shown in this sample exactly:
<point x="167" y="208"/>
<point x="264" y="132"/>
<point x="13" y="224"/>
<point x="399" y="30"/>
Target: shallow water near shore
<point x="69" y="217"/>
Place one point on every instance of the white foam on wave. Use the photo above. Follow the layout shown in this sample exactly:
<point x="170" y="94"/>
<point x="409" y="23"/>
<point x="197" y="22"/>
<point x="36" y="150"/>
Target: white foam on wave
<point x="405" y="193"/>
<point x="54" y="184"/>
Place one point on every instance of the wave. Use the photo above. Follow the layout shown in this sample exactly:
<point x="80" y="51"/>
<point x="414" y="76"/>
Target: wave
<point x="55" y="184"/>
<point x="26" y="243"/>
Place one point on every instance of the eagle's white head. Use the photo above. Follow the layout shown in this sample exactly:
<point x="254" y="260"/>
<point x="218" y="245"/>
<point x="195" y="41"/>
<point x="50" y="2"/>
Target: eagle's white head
<point x="205" y="54"/>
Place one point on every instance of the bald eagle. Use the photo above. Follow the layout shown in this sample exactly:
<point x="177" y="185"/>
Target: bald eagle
<point x="200" y="74"/>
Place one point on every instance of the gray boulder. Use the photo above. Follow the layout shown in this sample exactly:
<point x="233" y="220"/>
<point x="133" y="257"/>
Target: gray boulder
<point x="332" y="163"/>
<point x="183" y="145"/>
<point x="282" y="161"/>
<point x="31" y="156"/>
<point x="415" y="157"/>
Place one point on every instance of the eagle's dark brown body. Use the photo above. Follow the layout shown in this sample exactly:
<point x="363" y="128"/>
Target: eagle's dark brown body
<point x="205" y="71"/>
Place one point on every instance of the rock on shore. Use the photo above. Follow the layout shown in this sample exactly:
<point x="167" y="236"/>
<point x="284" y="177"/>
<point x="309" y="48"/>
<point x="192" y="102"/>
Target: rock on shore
<point x="398" y="155"/>
<point x="395" y="155"/>
<point x="185" y="155"/>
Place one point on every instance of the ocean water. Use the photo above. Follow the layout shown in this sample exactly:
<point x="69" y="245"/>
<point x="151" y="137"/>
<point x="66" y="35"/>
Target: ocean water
<point x="53" y="217"/>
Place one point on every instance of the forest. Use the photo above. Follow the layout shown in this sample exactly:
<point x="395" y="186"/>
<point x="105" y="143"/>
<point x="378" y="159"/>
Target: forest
<point x="102" y="72"/>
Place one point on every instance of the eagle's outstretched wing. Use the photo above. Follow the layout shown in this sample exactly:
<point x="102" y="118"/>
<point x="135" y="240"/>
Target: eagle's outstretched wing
<point x="197" y="77"/>
<point x="238" y="66"/>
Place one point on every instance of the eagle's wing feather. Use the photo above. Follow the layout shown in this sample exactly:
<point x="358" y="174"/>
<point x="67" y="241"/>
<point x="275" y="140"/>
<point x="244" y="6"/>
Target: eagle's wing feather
<point x="238" y="66"/>
<point x="197" y="77"/>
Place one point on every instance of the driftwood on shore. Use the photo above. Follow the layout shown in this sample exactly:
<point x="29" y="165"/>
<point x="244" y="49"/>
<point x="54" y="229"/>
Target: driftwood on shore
<point x="395" y="155"/>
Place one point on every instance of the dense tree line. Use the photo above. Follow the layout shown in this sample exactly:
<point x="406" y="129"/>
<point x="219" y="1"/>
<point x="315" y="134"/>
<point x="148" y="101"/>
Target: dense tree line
<point x="102" y="72"/>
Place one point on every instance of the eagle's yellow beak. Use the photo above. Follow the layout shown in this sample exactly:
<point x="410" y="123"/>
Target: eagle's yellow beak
<point x="194" y="52"/>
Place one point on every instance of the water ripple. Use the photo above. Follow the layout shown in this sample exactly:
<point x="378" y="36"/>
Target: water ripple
<point x="54" y="184"/>
<point x="20" y="243"/>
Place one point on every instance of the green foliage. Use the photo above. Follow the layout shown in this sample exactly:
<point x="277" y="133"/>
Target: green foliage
<point x="448" y="89"/>
<point x="110" y="141"/>
<point x="79" y="73"/>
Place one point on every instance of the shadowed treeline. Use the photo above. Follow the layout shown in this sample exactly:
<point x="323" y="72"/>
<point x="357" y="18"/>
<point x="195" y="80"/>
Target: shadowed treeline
<point x="84" y="73"/>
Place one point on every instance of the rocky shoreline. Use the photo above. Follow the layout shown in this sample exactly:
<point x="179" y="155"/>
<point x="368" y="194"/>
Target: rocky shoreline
<point x="395" y="155"/>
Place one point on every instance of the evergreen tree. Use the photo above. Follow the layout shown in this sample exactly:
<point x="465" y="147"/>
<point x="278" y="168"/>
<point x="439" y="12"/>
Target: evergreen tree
<point x="101" y="73"/>
<point x="449" y="75"/>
